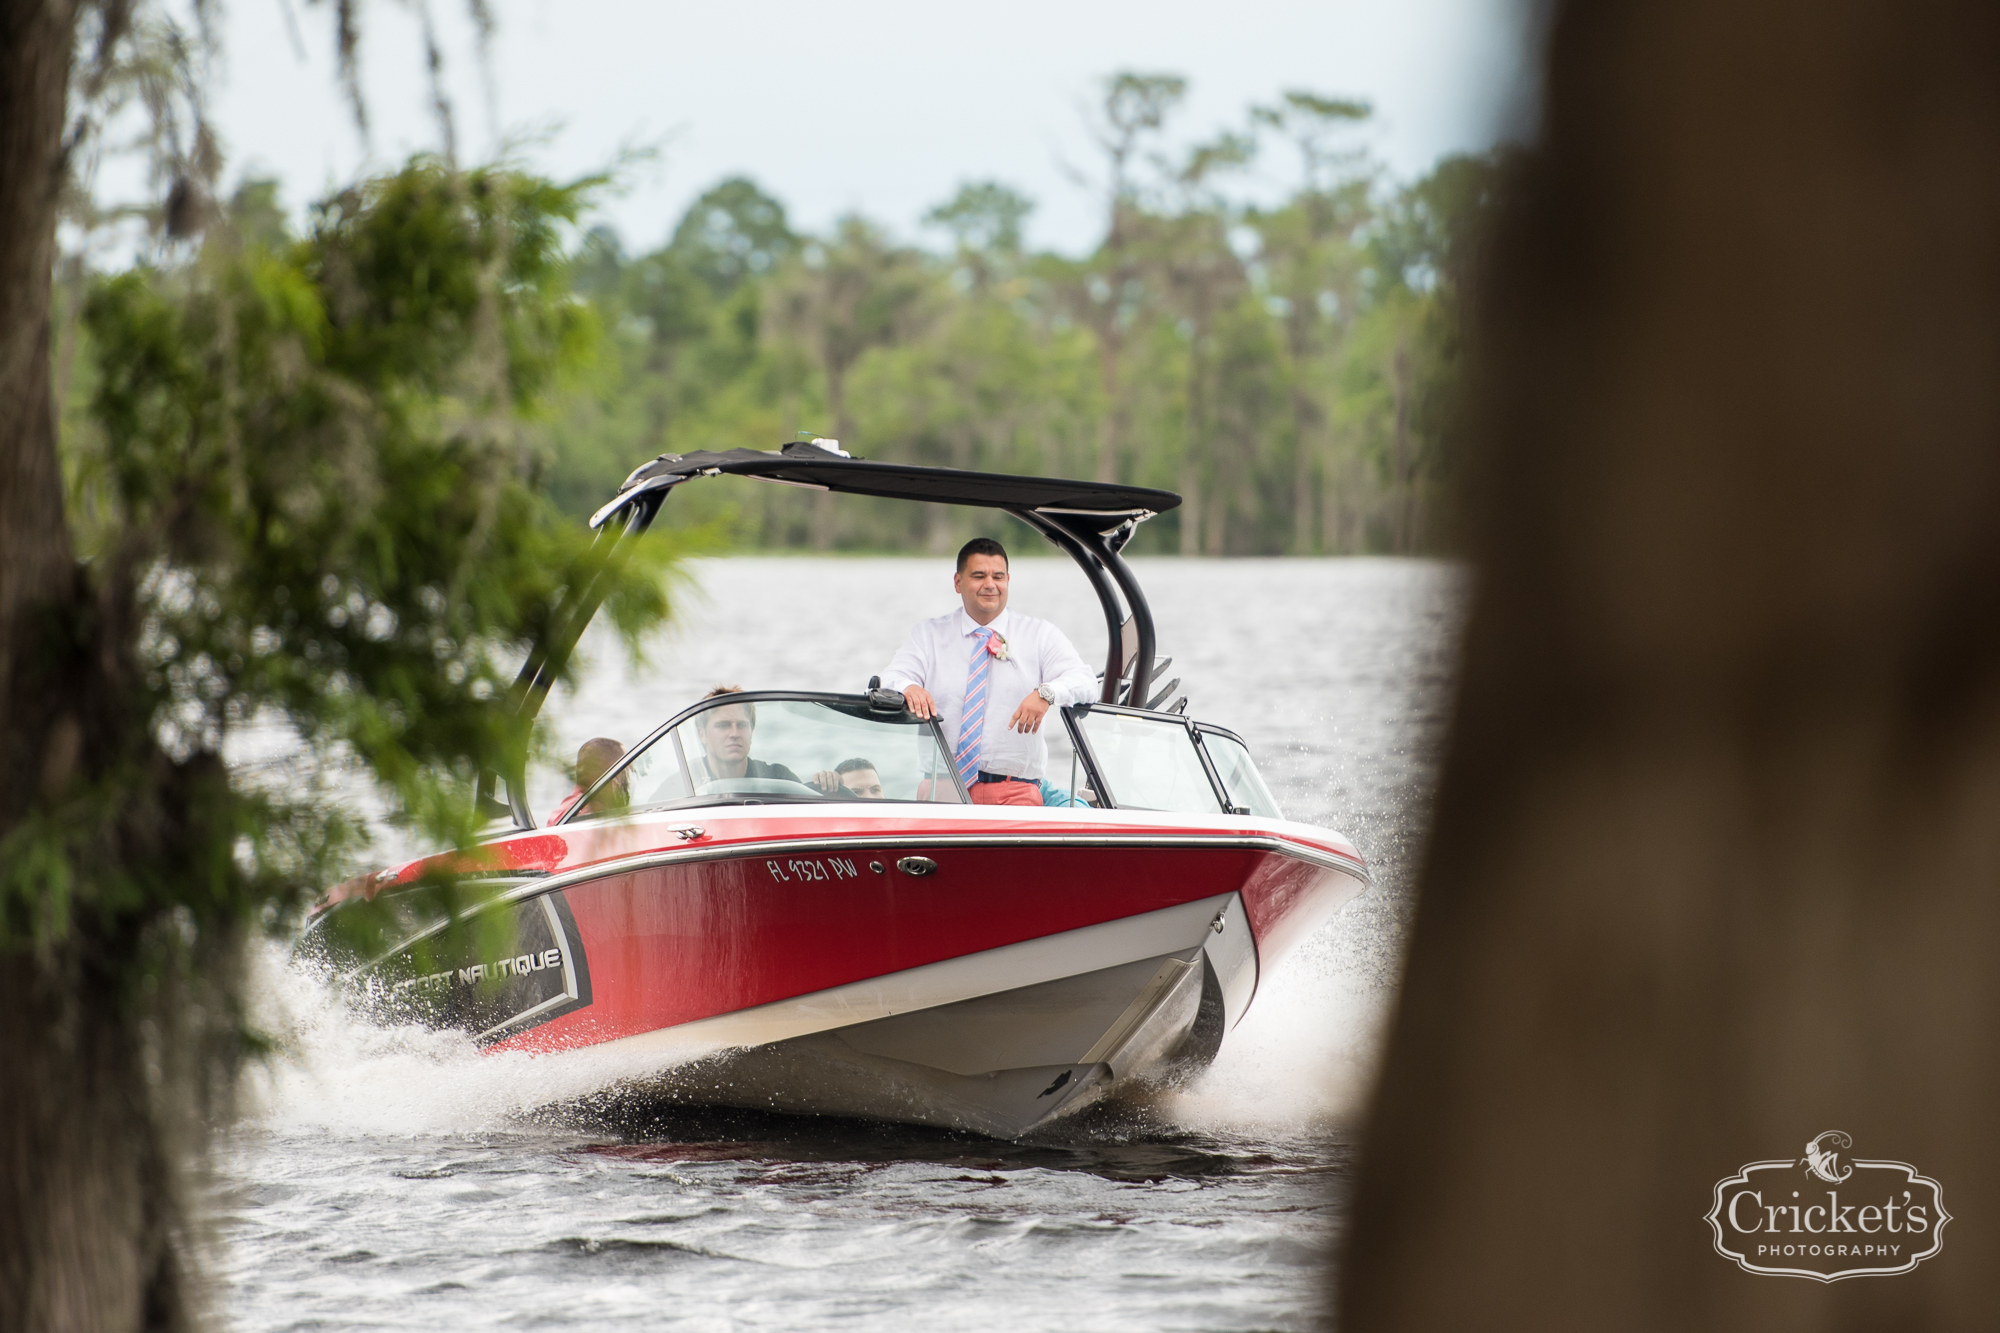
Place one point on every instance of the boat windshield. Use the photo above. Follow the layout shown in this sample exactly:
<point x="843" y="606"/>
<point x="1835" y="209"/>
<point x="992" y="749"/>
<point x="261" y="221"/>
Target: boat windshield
<point x="1241" y="781"/>
<point x="1149" y="763"/>
<point x="791" y="749"/>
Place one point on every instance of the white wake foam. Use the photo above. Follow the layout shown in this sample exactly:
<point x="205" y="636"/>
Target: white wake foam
<point x="337" y="1072"/>
<point x="1303" y="1059"/>
<point x="1300" y="1062"/>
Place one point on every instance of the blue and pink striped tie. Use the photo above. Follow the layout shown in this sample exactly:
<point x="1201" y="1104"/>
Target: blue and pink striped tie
<point x="972" y="721"/>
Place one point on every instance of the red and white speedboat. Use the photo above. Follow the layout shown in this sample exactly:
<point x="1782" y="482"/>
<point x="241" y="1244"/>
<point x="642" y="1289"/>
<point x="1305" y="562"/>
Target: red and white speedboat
<point x="758" y="942"/>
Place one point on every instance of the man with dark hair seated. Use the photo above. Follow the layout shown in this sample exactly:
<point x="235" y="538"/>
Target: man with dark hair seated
<point x="851" y="779"/>
<point x="963" y="669"/>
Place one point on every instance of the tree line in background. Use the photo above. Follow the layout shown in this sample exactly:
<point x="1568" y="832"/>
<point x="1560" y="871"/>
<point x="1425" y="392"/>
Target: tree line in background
<point x="1287" y="368"/>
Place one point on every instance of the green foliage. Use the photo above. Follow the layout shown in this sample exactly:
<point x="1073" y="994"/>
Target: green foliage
<point x="314" y="514"/>
<point x="1138" y="102"/>
<point x="734" y="232"/>
<point x="984" y="217"/>
<point x="1291" y="367"/>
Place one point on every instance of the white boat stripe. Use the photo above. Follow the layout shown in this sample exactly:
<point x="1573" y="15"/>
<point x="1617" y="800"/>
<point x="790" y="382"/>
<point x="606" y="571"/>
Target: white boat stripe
<point x="967" y="977"/>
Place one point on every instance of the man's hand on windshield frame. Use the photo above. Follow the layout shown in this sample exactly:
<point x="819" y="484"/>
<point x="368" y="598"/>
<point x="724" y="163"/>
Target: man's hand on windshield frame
<point x="918" y="700"/>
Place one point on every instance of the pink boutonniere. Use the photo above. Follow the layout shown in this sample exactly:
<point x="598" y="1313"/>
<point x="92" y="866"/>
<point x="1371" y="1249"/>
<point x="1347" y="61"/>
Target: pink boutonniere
<point x="997" y="645"/>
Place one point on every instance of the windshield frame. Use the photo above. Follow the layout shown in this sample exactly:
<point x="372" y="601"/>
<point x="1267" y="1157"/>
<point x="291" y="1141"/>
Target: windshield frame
<point x="1201" y="731"/>
<point x="1074" y="714"/>
<point x="853" y="702"/>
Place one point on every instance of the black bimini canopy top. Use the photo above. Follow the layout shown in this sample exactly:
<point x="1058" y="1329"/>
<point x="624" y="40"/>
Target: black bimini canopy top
<point x="1090" y="520"/>
<point x="822" y="465"/>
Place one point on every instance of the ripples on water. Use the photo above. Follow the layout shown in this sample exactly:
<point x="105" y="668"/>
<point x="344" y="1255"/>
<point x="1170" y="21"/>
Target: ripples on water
<point x="398" y="1179"/>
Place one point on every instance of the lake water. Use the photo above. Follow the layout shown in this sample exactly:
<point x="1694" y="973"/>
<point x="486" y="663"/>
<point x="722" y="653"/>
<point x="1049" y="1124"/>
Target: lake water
<point x="399" y="1179"/>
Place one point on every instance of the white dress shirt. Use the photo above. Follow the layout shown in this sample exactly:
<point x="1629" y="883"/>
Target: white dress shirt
<point x="938" y="656"/>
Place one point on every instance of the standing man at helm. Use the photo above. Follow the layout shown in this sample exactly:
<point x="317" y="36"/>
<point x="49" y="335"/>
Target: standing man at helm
<point x="990" y="675"/>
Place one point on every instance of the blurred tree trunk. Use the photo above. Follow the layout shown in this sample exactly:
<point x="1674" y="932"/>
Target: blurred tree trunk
<point x="37" y="566"/>
<point x="1189" y="515"/>
<point x="825" y="520"/>
<point x="1402" y="451"/>
<point x="1200" y="274"/>
<point x="91" y="1219"/>
<point x="1107" y="323"/>
<point x="1192" y="511"/>
<point x="1716" y="859"/>
<point x="1194" y="450"/>
<point x="1306" y="417"/>
<point x="88" y="1226"/>
<point x="1340" y="496"/>
<point x="1110" y="427"/>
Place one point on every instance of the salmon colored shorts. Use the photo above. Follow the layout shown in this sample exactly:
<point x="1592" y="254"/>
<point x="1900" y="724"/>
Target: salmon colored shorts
<point x="1015" y="792"/>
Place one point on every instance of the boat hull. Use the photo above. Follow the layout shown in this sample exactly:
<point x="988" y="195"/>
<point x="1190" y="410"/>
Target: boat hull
<point x="973" y="979"/>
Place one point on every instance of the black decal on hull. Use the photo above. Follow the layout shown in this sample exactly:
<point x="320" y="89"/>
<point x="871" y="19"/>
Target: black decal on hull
<point x="474" y="986"/>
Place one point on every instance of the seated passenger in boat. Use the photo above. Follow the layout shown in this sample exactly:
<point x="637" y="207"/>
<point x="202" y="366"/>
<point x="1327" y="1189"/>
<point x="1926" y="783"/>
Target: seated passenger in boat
<point x="594" y="759"/>
<point x="851" y="779"/>
<point x="725" y="734"/>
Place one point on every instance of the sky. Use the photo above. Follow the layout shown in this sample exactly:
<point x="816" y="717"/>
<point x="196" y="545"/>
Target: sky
<point x="882" y="107"/>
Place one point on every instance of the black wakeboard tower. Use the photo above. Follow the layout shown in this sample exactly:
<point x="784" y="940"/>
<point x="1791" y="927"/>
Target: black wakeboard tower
<point x="1089" y="520"/>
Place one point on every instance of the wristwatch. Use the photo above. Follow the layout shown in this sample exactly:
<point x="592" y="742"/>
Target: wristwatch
<point x="1048" y="695"/>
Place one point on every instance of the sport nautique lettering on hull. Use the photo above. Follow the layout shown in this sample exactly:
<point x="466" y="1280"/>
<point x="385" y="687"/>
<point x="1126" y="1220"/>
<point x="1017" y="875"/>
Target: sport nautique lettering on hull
<point x="824" y="903"/>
